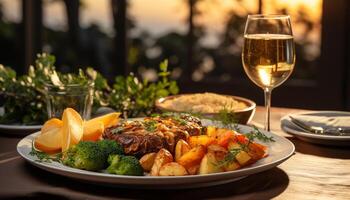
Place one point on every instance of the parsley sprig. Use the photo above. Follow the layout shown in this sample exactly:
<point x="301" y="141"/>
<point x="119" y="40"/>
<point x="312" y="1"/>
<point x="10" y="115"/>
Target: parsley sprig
<point x="150" y="125"/>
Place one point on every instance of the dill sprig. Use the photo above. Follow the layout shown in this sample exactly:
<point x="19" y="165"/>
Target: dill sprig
<point x="230" y="157"/>
<point x="257" y="134"/>
<point x="44" y="157"/>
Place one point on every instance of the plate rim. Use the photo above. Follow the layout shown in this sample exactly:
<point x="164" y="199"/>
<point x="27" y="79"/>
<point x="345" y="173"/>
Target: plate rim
<point x="20" y="127"/>
<point x="71" y="172"/>
<point x="311" y="135"/>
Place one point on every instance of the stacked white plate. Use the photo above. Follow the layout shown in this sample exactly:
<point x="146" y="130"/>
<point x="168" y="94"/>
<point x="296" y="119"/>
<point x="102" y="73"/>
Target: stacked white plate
<point x="288" y="126"/>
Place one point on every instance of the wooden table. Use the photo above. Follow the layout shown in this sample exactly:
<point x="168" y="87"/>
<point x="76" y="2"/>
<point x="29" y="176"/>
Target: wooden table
<point x="314" y="172"/>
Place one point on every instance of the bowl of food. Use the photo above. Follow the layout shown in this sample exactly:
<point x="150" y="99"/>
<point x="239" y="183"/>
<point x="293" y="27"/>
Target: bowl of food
<point x="209" y="105"/>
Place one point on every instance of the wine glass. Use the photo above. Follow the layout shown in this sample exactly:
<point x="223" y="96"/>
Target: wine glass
<point x="268" y="54"/>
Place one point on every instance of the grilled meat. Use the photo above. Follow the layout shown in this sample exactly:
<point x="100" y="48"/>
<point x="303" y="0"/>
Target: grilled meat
<point x="153" y="133"/>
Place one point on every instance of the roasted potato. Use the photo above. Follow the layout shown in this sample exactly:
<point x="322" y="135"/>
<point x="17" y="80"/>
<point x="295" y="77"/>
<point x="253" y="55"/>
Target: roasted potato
<point x="147" y="161"/>
<point x="233" y="145"/>
<point x="256" y="151"/>
<point x="209" y="164"/>
<point x="181" y="148"/>
<point x="193" y="157"/>
<point x="172" y="169"/>
<point x="200" y="140"/>
<point x="210" y="131"/>
<point x="193" y="170"/>
<point x="219" y="151"/>
<point x="231" y="166"/>
<point x="163" y="157"/>
<point x="243" y="158"/>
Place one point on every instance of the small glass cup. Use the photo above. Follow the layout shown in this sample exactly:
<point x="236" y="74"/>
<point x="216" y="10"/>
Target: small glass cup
<point x="76" y="96"/>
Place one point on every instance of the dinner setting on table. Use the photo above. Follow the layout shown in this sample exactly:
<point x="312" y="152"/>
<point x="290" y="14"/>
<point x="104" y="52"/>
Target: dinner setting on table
<point x="96" y="110"/>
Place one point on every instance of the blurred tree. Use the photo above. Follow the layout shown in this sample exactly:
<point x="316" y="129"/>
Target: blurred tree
<point x="74" y="31"/>
<point x="195" y="32"/>
<point x="120" y="26"/>
<point x="31" y="32"/>
<point x="10" y="41"/>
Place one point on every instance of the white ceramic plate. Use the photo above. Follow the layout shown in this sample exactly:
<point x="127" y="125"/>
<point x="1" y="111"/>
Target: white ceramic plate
<point x="17" y="129"/>
<point x="293" y="129"/>
<point x="278" y="151"/>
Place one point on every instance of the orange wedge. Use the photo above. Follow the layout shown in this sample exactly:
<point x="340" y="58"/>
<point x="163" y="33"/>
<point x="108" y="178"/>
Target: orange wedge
<point x="93" y="131"/>
<point x="50" y="141"/>
<point x="50" y="124"/>
<point x="108" y="120"/>
<point x="72" y="129"/>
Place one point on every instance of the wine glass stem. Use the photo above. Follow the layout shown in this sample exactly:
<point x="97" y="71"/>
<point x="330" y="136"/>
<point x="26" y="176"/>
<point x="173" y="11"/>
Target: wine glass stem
<point x="267" y="92"/>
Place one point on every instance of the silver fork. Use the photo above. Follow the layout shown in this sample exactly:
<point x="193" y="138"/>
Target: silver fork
<point x="320" y="130"/>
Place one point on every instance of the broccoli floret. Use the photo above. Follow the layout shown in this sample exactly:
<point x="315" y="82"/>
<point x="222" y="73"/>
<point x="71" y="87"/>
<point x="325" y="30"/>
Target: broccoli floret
<point x="111" y="147"/>
<point x="124" y="165"/>
<point x="85" y="155"/>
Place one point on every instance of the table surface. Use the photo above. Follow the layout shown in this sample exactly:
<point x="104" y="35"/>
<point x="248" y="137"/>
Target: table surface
<point x="313" y="172"/>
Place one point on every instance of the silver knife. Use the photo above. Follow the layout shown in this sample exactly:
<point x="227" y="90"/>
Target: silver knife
<point x="321" y="130"/>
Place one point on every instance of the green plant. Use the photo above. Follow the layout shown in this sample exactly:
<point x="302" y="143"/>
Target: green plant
<point x="25" y="101"/>
<point x="135" y="97"/>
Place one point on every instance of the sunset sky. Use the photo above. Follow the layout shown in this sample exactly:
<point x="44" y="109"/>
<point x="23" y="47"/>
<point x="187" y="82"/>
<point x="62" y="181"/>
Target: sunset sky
<point x="159" y="16"/>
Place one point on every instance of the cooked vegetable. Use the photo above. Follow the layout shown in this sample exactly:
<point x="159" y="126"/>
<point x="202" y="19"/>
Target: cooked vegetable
<point x="124" y="165"/>
<point x="163" y="157"/>
<point x="85" y="155"/>
<point x="193" y="170"/>
<point x="147" y="161"/>
<point x="233" y="165"/>
<point x="110" y="147"/>
<point x="172" y="169"/>
<point x="209" y="164"/>
<point x="181" y="148"/>
<point x="193" y="157"/>
<point x="219" y="151"/>
<point x="243" y="158"/>
<point x="204" y="140"/>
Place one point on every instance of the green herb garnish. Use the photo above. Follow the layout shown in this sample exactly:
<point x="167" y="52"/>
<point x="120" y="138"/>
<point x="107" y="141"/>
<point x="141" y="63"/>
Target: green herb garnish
<point x="230" y="157"/>
<point x="257" y="134"/>
<point x="174" y="116"/>
<point x="44" y="157"/>
<point x="150" y="125"/>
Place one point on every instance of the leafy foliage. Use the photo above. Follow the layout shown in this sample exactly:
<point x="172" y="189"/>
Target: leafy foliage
<point x="135" y="97"/>
<point x="25" y="101"/>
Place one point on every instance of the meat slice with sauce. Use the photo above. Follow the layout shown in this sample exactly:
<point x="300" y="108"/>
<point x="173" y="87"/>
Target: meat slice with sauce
<point x="153" y="133"/>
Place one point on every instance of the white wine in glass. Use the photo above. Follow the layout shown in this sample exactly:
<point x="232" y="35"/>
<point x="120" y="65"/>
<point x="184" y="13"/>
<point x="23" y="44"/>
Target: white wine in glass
<point x="268" y="54"/>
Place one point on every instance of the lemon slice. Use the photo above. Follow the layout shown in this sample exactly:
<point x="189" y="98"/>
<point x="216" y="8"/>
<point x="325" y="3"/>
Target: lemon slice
<point x="108" y="120"/>
<point x="93" y="131"/>
<point x="72" y="129"/>
<point x="50" y="141"/>
<point x="53" y="123"/>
